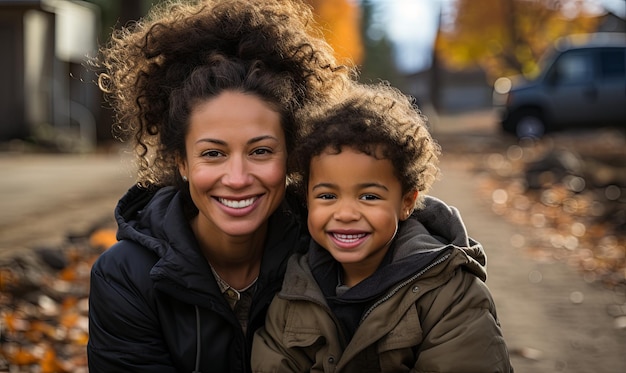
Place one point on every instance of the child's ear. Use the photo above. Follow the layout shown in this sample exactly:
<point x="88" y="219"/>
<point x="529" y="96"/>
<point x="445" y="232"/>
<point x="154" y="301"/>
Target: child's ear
<point x="408" y="204"/>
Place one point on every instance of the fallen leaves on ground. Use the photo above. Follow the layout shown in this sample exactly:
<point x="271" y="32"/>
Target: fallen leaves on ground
<point x="570" y="200"/>
<point x="44" y="294"/>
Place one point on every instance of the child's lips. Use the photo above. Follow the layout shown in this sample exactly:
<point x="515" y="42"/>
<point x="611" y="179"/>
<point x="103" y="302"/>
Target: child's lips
<point x="348" y="237"/>
<point x="348" y="240"/>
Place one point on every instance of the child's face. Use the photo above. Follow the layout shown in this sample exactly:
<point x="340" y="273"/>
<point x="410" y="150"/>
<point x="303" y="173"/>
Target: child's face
<point x="355" y="202"/>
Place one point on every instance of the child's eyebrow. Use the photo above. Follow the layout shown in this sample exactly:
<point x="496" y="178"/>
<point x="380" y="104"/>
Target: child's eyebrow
<point x="360" y="186"/>
<point x="373" y="185"/>
<point x="323" y="185"/>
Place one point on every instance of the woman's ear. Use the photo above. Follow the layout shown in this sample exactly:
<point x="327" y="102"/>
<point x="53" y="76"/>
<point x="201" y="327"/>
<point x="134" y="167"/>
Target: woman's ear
<point x="408" y="204"/>
<point x="182" y="167"/>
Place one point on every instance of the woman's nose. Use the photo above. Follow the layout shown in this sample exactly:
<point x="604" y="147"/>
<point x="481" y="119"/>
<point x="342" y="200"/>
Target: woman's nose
<point x="237" y="175"/>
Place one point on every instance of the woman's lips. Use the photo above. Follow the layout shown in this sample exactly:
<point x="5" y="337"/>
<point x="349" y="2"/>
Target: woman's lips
<point x="238" y="207"/>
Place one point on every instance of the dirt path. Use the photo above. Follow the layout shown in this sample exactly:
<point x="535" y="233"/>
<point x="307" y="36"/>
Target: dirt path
<point x="552" y="320"/>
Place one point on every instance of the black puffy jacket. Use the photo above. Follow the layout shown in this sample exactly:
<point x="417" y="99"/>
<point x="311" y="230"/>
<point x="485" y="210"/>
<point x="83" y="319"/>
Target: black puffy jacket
<point x="154" y="305"/>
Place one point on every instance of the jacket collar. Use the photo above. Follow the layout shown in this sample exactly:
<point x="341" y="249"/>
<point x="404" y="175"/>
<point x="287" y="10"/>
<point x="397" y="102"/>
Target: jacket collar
<point x="432" y="231"/>
<point x="156" y="220"/>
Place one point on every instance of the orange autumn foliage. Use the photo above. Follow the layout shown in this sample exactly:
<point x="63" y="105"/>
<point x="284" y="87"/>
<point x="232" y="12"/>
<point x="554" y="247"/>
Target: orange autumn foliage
<point x="7" y="279"/>
<point x="508" y="37"/>
<point x="68" y="320"/>
<point x="103" y="238"/>
<point x="49" y="362"/>
<point x="13" y="322"/>
<point x="340" y="21"/>
<point x="21" y="357"/>
<point x="68" y="274"/>
<point x="38" y="330"/>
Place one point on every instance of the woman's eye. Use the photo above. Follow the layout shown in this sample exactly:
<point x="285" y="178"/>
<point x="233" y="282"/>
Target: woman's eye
<point x="211" y="153"/>
<point x="262" y="151"/>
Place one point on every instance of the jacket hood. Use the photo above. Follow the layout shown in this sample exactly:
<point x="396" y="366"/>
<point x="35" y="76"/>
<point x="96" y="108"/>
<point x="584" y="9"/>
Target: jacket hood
<point x="438" y="226"/>
<point x="151" y="218"/>
<point x="156" y="221"/>
<point x="433" y="232"/>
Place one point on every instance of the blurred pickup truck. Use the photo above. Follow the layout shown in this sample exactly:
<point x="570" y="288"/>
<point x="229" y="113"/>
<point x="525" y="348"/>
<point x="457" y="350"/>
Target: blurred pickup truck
<point x="582" y="84"/>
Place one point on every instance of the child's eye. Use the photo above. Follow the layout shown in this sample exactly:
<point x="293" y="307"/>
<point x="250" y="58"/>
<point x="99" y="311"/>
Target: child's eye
<point x="326" y="196"/>
<point x="369" y="197"/>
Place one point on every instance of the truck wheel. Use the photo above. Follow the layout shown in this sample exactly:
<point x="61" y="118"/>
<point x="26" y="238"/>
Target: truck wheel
<point x="529" y="124"/>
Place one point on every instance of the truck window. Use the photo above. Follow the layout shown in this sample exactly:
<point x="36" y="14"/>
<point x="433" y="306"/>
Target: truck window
<point x="573" y="68"/>
<point x="613" y="63"/>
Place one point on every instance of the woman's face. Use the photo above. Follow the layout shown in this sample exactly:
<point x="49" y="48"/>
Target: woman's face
<point x="235" y="163"/>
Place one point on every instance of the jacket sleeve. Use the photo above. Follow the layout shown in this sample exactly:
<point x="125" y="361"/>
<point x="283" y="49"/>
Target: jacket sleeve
<point x="461" y="329"/>
<point x="124" y="332"/>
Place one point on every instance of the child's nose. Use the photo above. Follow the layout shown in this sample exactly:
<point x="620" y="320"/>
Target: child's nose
<point x="346" y="211"/>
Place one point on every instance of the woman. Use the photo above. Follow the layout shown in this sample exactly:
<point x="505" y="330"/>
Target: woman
<point x="209" y="93"/>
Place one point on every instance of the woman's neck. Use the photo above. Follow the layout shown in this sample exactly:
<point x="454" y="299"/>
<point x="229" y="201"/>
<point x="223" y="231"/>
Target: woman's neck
<point x="236" y="259"/>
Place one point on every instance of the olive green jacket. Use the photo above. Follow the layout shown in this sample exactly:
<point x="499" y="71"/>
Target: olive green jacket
<point x="441" y="318"/>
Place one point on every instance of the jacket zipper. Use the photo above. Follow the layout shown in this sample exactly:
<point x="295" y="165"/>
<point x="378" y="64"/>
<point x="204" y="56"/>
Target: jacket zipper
<point x="403" y="284"/>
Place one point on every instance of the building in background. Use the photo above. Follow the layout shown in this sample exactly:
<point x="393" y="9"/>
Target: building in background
<point x="46" y="95"/>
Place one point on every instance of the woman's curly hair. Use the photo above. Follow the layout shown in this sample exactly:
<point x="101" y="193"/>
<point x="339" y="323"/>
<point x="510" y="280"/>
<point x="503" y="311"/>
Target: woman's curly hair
<point x="379" y="121"/>
<point x="155" y="70"/>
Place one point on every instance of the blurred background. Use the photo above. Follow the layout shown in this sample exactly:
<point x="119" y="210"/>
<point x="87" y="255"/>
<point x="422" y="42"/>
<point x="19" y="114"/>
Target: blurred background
<point x="446" y="53"/>
<point x="547" y="198"/>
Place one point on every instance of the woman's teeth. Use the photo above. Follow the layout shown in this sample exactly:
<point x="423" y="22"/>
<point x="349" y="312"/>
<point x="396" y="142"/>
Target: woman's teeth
<point x="237" y="204"/>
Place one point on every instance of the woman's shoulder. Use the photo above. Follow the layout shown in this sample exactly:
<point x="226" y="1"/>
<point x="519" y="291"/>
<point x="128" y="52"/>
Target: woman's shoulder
<point x="125" y="259"/>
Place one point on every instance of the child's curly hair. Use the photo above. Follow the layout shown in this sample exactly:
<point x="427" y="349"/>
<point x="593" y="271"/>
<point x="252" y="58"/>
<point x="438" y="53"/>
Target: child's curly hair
<point x="154" y="71"/>
<point x="377" y="120"/>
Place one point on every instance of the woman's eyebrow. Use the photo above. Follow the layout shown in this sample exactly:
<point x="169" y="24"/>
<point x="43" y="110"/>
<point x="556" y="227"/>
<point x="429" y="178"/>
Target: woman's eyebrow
<point x="222" y="142"/>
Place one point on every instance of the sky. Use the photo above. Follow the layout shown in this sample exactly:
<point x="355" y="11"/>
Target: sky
<point x="412" y="25"/>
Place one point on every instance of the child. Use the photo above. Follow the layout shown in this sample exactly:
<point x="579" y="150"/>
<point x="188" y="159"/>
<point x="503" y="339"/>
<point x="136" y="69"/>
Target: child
<point x="381" y="288"/>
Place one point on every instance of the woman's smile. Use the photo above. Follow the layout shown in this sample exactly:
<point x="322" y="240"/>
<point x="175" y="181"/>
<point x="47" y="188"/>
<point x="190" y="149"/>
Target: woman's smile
<point x="237" y="204"/>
